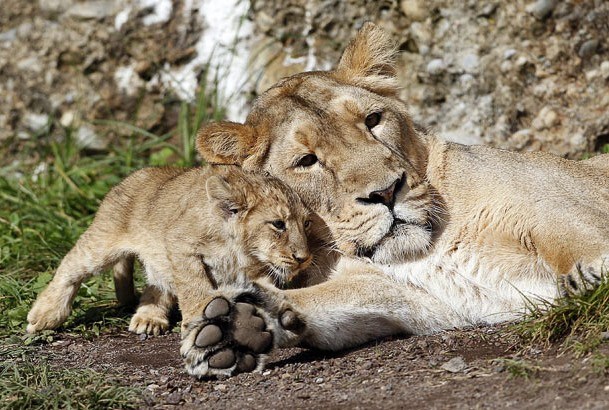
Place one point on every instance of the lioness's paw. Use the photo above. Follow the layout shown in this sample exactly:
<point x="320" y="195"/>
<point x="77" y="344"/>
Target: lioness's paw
<point x="584" y="277"/>
<point x="229" y="338"/>
<point x="149" y="320"/>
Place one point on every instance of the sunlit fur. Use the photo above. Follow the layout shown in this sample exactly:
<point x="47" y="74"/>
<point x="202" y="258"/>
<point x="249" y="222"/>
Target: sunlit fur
<point x="193" y="230"/>
<point x="475" y="233"/>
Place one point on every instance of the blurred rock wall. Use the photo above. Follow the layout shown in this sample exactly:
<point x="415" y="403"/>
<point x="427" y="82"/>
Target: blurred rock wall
<point x="530" y="75"/>
<point x="518" y="74"/>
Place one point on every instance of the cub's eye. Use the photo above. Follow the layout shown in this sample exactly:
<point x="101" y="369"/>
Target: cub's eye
<point x="307" y="224"/>
<point x="278" y="224"/>
<point x="233" y="211"/>
<point x="306" y="161"/>
<point x="372" y="120"/>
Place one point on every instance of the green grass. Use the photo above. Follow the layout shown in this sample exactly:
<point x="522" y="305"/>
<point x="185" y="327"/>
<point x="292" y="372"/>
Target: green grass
<point x="26" y="384"/>
<point x="577" y="321"/>
<point x="518" y="368"/>
<point x="44" y="208"/>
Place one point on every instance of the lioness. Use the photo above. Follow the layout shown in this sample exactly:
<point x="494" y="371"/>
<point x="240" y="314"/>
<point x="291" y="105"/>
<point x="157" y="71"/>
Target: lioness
<point x="193" y="230"/>
<point x="447" y="235"/>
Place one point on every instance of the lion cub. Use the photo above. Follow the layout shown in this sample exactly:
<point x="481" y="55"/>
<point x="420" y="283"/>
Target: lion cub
<point x="192" y="229"/>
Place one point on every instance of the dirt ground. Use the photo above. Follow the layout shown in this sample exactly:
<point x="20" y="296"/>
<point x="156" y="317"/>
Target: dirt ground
<point x="476" y="368"/>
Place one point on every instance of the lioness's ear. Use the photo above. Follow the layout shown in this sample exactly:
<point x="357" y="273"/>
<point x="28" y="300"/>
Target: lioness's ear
<point x="225" y="142"/>
<point x="369" y="61"/>
<point x="226" y="198"/>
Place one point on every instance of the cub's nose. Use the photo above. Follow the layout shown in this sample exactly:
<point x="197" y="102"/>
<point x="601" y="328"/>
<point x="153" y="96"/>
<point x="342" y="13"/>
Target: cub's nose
<point x="384" y="196"/>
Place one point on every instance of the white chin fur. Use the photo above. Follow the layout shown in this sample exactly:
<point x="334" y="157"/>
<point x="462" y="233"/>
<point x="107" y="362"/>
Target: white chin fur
<point x="403" y="245"/>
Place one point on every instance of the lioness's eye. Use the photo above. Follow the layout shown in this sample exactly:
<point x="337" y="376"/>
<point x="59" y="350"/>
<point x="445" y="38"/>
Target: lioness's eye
<point x="307" y="224"/>
<point x="278" y="224"/>
<point x="372" y="120"/>
<point x="306" y="161"/>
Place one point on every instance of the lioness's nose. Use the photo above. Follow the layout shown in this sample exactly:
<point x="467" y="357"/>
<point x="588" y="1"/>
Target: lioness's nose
<point x="301" y="257"/>
<point x="383" y="196"/>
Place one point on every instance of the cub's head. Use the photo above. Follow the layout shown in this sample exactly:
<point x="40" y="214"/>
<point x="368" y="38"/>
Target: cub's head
<point x="345" y="143"/>
<point x="265" y="218"/>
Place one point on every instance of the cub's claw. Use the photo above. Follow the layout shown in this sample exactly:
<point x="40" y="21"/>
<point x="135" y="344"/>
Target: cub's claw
<point x="229" y="338"/>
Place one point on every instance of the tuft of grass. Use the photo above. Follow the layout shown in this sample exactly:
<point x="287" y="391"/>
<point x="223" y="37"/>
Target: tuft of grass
<point x="578" y="321"/>
<point x="26" y="384"/>
<point x="520" y="368"/>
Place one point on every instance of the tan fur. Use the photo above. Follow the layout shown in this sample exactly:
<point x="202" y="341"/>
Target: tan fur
<point x="193" y="230"/>
<point x="472" y="230"/>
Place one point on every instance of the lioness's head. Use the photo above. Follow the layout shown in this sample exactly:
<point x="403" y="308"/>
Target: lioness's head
<point x="265" y="218"/>
<point x="345" y="143"/>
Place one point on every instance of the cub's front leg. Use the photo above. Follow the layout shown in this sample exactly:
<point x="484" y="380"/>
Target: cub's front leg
<point x="153" y="311"/>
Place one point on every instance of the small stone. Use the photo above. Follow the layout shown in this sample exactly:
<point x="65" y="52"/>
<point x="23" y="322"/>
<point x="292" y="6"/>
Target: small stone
<point x="605" y="70"/>
<point x="538" y="124"/>
<point x="509" y="53"/>
<point x="436" y="66"/>
<point x="466" y="81"/>
<point x="220" y="387"/>
<point x="31" y="63"/>
<point x="88" y="139"/>
<point x="550" y="118"/>
<point x="152" y="386"/>
<point x="488" y="10"/>
<point x="35" y="122"/>
<point x="319" y="380"/>
<point x="541" y="9"/>
<point x="606" y="388"/>
<point x="455" y="365"/>
<point x="67" y="119"/>
<point x="521" y="61"/>
<point x="605" y="335"/>
<point x="24" y="29"/>
<point x="54" y="6"/>
<point x="578" y="141"/>
<point x="174" y="398"/>
<point x="8" y="36"/>
<point x="96" y="9"/>
<point x="521" y="138"/>
<point x="469" y="62"/>
<point x="266" y="372"/>
<point x="421" y="34"/>
<point x="591" y="75"/>
<point x="416" y="10"/>
<point x="588" y="48"/>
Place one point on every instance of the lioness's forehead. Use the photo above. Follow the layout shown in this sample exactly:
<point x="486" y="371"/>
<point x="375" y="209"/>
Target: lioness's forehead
<point x="311" y="97"/>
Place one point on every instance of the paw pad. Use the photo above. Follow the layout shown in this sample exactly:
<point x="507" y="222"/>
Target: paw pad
<point x="229" y="338"/>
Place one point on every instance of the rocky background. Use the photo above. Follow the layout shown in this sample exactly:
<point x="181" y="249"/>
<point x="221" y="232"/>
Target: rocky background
<point x="522" y="74"/>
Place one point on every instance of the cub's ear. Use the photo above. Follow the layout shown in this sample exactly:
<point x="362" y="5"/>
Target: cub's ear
<point x="369" y="61"/>
<point x="228" y="199"/>
<point x="225" y="142"/>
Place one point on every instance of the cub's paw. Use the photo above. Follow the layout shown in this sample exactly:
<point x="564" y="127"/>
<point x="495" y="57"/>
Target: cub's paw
<point x="149" y="320"/>
<point x="230" y="338"/>
<point x="47" y="313"/>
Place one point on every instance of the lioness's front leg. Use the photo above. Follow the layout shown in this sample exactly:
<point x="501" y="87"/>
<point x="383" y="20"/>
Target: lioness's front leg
<point x="356" y="305"/>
